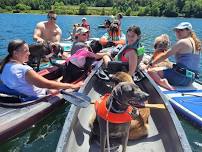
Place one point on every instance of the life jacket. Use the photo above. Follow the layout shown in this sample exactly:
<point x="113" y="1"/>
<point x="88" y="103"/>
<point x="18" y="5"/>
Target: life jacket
<point x="115" y="36"/>
<point x="101" y="110"/>
<point x="87" y="26"/>
<point x="137" y="46"/>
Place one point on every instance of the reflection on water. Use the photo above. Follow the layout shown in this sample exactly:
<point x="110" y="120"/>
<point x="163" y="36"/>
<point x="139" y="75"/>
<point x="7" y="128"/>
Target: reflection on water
<point x="44" y="135"/>
<point x="194" y="134"/>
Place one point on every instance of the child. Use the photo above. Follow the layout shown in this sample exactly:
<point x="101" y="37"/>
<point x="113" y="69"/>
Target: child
<point x="80" y="62"/>
<point x="161" y="45"/>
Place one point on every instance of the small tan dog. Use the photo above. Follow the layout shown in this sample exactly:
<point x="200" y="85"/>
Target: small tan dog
<point x="161" y="45"/>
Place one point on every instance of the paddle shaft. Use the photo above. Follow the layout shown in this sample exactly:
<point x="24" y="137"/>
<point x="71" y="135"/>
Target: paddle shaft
<point x="148" y="105"/>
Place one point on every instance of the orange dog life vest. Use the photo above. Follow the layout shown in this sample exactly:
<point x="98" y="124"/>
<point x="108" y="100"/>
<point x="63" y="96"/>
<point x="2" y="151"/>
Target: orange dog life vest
<point x="101" y="110"/>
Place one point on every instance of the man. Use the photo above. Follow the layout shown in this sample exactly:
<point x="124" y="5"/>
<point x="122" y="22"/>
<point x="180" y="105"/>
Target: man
<point x="85" y="23"/>
<point x="82" y="37"/>
<point x="48" y="30"/>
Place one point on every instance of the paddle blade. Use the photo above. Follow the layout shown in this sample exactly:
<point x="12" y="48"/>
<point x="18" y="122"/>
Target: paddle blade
<point x="76" y="98"/>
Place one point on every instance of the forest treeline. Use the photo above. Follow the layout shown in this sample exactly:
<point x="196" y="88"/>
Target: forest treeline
<point x="168" y="8"/>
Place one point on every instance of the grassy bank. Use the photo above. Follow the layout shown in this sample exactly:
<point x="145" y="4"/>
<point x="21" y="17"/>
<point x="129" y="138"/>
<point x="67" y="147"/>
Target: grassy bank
<point x="67" y="10"/>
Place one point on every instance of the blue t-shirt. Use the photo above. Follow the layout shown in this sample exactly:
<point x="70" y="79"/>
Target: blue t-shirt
<point x="13" y="76"/>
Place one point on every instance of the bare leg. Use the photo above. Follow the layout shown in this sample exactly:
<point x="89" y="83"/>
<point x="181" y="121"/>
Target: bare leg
<point x="157" y="76"/>
<point x="125" y="141"/>
<point x="106" y="60"/>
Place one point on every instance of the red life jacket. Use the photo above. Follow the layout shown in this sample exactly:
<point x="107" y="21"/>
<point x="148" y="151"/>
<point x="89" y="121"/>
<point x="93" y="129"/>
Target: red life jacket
<point x="123" y="58"/>
<point x="101" y="110"/>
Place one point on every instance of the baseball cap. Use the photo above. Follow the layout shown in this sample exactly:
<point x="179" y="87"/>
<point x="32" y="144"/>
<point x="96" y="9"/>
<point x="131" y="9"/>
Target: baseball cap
<point x="183" y="25"/>
<point x="81" y="30"/>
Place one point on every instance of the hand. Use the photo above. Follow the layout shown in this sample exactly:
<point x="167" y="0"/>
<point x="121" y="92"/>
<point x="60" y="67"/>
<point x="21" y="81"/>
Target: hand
<point x="40" y="40"/>
<point x="110" y="44"/>
<point x="77" y="85"/>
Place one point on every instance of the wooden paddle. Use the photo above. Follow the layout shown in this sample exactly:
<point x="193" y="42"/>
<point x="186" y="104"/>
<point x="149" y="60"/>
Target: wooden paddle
<point x="83" y="101"/>
<point x="157" y="106"/>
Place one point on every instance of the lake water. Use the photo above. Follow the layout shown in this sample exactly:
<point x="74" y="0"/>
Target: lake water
<point x="44" y="135"/>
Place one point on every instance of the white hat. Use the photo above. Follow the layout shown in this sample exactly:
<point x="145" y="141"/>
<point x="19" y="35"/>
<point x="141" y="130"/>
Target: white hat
<point x="84" y="18"/>
<point x="81" y="30"/>
<point x="184" y="25"/>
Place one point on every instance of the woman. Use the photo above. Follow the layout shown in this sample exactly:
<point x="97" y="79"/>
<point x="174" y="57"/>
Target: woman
<point x="132" y="52"/>
<point x="187" y="55"/>
<point x="15" y="74"/>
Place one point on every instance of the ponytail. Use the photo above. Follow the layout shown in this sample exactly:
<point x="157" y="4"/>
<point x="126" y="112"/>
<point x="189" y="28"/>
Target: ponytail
<point x="12" y="46"/>
<point x="5" y="60"/>
<point x="197" y="41"/>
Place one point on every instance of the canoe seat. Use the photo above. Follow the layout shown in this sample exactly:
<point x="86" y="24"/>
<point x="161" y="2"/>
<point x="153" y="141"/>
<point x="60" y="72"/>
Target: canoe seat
<point x="11" y="95"/>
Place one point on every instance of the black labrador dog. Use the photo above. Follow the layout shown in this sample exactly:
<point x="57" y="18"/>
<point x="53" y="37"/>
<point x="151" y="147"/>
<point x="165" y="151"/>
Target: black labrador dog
<point x="42" y="50"/>
<point x="125" y="95"/>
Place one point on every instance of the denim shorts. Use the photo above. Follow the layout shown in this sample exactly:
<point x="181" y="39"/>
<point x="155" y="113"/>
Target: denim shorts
<point x="176" y="78"/>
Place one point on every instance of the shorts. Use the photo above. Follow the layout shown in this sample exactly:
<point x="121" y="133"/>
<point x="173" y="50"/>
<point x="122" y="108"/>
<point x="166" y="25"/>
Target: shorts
<point x="176" y="79"/>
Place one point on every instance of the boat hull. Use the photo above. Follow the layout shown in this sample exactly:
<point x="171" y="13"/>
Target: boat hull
<point x="15" y="120"/>
<point x="165" y="130"/>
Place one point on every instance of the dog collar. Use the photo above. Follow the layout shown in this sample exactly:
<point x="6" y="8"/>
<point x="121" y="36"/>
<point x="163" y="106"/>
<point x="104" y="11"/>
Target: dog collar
<point x="101" y="110"/>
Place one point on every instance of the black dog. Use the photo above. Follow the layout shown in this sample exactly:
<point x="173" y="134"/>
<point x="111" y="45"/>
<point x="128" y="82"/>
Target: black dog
<point x="41" y="50"/>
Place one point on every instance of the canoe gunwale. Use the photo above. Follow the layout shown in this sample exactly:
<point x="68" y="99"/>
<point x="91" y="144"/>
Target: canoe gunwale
<point x="178" y="126"/>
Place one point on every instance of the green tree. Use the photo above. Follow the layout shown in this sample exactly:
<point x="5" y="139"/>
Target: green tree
<point x="83" y="9"/>
<point x="128" y="11"/>
<point x="22" y="7"/>
<point x="170" y="9"/>
<point x="103" y="11"/>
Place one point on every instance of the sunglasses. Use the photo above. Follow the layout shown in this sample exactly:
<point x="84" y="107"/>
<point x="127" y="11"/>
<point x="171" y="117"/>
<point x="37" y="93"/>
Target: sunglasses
<point x="179" y="30"/>
<point x="84" y="34"/>
<point x="52" y="18"/>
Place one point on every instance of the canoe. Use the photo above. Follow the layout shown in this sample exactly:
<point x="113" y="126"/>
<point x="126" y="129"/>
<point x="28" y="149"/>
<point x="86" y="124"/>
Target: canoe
<point x="101" y="26"/>
<point x="187" y="101"/>
<point x="165" y="130"/>
<point x="16" y="117"/>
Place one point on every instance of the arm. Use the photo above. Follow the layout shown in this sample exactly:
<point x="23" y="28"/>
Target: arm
<point x="35" y="79"/>
<point x="101" y="54"/>
<point x="104" y="39"/>
<point x="37" y="33"/>
<point x="132" y="58"/>
<point x="58" y="35"/>
<point x="122" y="40"/>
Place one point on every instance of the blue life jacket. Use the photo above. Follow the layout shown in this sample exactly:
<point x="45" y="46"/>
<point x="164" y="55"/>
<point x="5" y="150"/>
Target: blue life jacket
<point x="23" y="98"/>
